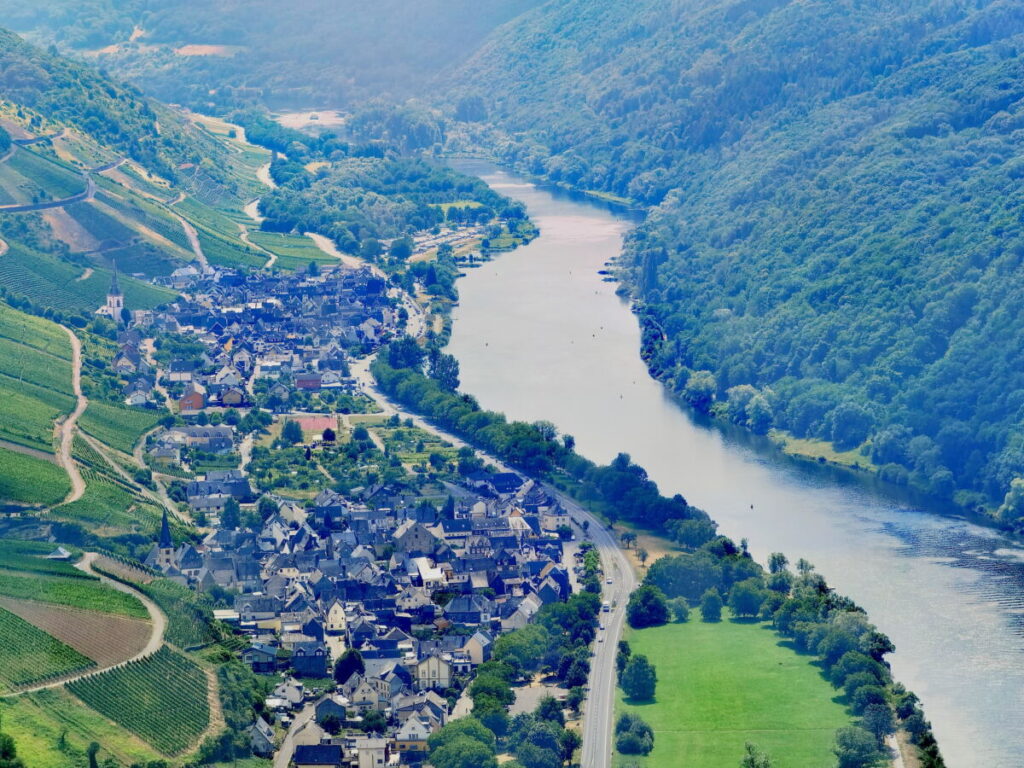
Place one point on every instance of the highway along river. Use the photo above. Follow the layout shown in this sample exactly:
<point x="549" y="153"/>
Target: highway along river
<point x="539" y="335"/>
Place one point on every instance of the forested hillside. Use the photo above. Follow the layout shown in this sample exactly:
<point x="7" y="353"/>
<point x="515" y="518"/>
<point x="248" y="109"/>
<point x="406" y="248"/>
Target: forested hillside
<point x="836" y="244"/>
<point x="228" y="53"/>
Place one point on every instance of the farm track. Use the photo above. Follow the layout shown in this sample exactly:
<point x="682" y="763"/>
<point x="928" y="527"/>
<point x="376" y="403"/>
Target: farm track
<point x="192" y="235"/>
<point x="156" y="638"/>
<point x="24" y="450"/>
<point x="85" y="275"/>
<point x="69" y="425"/>
<point x="243" y="235"/>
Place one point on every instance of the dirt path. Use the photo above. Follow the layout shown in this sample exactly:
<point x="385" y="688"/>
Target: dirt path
<point x="245" y="451"/>
<point x="263" y="174"/>
<point x="85" y="275"/>
<point x="68" y="426"/>
<point x="149" y="355"/>
<point x="252" y="210"/>
<point x="156" y="638"/>
<point x="243" y="235"/>
<point x="327" y="245"/>
<point x="4" y="247"/>
<point x="193" y="239"/>
<point x="217" y="723"/>
<point x="24" y="450"/>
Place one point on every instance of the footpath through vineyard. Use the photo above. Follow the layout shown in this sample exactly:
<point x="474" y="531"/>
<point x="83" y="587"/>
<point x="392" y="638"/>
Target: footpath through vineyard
<point x="156" y="638"/>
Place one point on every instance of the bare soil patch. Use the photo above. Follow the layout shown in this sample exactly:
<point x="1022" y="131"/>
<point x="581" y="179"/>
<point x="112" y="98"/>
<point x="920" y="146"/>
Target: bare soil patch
<point x="207" y="50"/>
<point x="103" y="637"/>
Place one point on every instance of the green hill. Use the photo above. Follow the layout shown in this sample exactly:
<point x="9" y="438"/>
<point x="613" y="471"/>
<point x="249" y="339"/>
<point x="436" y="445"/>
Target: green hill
<point x="836" y="208"/>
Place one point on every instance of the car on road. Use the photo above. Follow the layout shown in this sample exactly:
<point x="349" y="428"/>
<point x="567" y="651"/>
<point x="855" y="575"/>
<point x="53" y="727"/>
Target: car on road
<point x="608" y="580"/>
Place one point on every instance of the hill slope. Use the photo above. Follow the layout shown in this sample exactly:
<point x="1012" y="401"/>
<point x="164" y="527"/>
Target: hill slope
<point x="837" y="197"/>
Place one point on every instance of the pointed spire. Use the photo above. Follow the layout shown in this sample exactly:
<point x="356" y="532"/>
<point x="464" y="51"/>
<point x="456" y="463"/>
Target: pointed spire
<point x="115" y="289"/>
<point x="166" y="542"/>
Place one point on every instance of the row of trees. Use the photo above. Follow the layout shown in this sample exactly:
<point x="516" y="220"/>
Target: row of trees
<point x="620" y="490"/>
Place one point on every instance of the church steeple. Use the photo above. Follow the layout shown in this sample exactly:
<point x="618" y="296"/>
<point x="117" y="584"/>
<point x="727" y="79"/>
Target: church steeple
<point x="115" y="289"/>
<point x="166" y="542"/>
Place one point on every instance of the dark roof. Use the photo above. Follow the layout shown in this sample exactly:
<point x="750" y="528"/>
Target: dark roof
<point x="317" y="754"/>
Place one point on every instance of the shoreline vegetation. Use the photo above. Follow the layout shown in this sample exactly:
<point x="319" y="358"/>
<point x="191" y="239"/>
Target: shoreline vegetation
<point x="802" y="608"/>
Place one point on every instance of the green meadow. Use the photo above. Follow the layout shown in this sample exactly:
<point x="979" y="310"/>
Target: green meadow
<point x="723" y="684"/>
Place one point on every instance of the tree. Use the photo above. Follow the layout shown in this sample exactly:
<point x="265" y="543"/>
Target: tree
<point x="444" y="369"/>
<point x="633" y="736"/>
<point x="571" y="741"/>
<point x="524" y="649"/>
<point x="855" y="748"/>
<point x="692" y="534"/>
<point x="332" y="724"/>
<point x="700" y="389"/>
<point x="550" y="711"/>
<point x="628" y="538"/>
<point x="754" y="757"/>
<point x="575" y="698"/>
<point x="91" y="752"/>
<point x="291" y="432"/>
<point x="711" y="606"/>
<point x="878" y="719"/>
<point x="374" y="722"/>
<point x="9" y="752"/>
<point x="639" y="678"/>
<point x="745" y="598"/>
<point x="647" y="608"/>
<point x="777" y="562"/>
<point x="642" y="555"/>
<point x="351" y="662"/>
<point x="329" y="435"/>
<point x="680" y="609"/>
<point x="230" y="518"/>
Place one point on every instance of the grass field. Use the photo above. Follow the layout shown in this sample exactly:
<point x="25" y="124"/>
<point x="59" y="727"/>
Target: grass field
<point x="88" y="594"/>
<point x="28" y="480"/>
<point x="162" y="699"/>
<point x="723" y="684"/>
<point x="53" y="729"/>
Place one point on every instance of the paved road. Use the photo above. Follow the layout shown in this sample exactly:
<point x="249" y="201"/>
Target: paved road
<point x="156" y="637"/>
<point x="283" y="756"/>
<point x="599" y="712"/>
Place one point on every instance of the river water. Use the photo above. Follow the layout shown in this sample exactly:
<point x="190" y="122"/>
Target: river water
<point x="540" y="335"/>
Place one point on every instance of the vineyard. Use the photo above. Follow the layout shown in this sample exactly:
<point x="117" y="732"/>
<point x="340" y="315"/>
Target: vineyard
<point x="28" y="480"/>
<point x="294" y="252"/>
<point x="29" y="556"/>
<point x="189" y="616"/>
<point x="162" y="698"/>
<point x="110" y="506"/>
<point x="88" y="594"/>
<point x="29" y="656"/>
<point x="117" y="426"/>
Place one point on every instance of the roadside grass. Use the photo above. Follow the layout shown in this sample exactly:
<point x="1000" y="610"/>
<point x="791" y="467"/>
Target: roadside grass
<point x="723" y="684"/>
<point x="28" y="480"/>
<point x="55" y="729"/>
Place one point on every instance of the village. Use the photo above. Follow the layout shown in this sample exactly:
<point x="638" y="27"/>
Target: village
<point x="373" y="606"/>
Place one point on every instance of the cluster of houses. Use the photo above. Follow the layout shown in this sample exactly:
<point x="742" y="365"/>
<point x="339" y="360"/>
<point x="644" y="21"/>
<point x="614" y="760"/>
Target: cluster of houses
<point x="420" y="593"/>
<point x="291" y="330"/>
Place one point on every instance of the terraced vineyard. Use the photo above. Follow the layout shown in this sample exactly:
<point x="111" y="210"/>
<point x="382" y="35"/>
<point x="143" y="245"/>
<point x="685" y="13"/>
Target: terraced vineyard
<point x="162" y="698"/>
<point x="109" y="506"/>
<point x="30" y="556"/>
<point x="47" y="179"/>
<point x="29" y="656"/>
<point x="88" y="594"/>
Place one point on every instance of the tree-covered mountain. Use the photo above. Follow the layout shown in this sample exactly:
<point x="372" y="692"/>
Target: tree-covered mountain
<point x="835" y="244"/>
<point x="226" y="53"/>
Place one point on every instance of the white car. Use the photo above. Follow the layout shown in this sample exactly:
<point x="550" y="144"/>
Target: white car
<point x="608" y="580"/>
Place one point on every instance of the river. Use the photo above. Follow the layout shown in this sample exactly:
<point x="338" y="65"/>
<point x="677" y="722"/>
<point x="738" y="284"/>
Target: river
<point x="540" y="335"/>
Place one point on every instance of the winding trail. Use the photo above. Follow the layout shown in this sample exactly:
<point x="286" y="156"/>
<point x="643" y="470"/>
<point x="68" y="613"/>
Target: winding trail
<point x="156" y="638"/>
<point x="68" y="426"/>
<point x="243" y="235"/>
<point x="263" y="174"/>
<point x="86" y="274"/>
<point x="327" y="245"/>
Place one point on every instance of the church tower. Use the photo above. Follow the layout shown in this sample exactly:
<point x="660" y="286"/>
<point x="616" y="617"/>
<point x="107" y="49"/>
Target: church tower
<point x="115" y="299"/>
<point x="165" y="547"/>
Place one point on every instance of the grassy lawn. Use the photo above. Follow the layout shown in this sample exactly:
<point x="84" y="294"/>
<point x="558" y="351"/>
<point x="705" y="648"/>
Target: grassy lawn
<point x="40" y="722"/>
<point x="721" y="685"/>
<point x="819" y="449"/>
